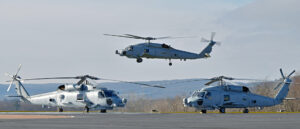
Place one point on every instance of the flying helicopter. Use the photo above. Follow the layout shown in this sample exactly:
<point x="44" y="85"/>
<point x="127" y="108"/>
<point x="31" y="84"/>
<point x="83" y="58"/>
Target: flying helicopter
<point x="234" y="96"/>
<point x="82" y="94"/>
<point x="161" y="51"/>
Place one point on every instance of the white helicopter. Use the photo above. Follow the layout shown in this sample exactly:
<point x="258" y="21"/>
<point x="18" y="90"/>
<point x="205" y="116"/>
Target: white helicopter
<point x="161" y="51"/>
<point x="83" y="94"/>
<point x="234" y="96"/>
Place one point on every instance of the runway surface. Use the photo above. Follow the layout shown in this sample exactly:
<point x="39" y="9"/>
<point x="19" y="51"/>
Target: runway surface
<point x="155" y="121"/>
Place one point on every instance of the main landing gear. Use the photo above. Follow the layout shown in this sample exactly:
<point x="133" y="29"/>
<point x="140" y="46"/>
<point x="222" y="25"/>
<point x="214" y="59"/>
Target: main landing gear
<point x="222" y="110"/>
<point x="103" y="111"/>
<point x="246" y="110"/>
<point x="60" y="109"/>
<point x="86" y="109"/>
<point x="139" y="60"/>
<point x="203" y="111"/>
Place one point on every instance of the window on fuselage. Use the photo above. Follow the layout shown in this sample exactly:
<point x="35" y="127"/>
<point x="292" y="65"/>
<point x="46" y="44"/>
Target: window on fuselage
<point x="165" y="46"/>
<point x="226" y="97"/>
<point x="109" y="93"/>
<point x="199" y="94"/>
<point x="130" y="48"/>
<point x="79" y="96"/>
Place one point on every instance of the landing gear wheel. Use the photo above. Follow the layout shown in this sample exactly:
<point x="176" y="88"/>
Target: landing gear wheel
<point x="60" y="109"/>
<point x="103" y="111"/>
<point x="139" y="60"/>
<point x="203" y="111"/>
<point x="222" y="110"/>
<point x="170" y="63"/>
<point x="246" y="110"/>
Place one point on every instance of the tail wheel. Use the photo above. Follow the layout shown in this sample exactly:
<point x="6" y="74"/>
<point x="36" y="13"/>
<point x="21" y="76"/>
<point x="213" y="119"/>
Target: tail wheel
<point x="103" y="111"/>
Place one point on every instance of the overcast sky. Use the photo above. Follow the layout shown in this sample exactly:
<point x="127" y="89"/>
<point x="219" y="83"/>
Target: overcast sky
<point x="65" y="37"/>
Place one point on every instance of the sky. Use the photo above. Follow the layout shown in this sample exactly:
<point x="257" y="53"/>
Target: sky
<point x="65" y="38"/>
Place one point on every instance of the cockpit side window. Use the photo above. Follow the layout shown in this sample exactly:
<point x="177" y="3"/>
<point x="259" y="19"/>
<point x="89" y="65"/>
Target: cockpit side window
<point x="100" y="94"/>
<point x="109" y="93"/>
<point x="165" y="46"/>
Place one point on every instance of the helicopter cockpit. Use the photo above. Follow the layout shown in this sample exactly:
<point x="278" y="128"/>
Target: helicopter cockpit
<point x="129" y="48"/>
<point x="106" y="93"/>
<point x="165" y="46"/>
<point x="201" y="94"/>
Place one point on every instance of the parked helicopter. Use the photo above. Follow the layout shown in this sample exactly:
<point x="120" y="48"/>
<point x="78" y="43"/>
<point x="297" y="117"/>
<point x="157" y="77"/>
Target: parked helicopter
<point x="234" y="96"/>
<point x="161" y="51"/>
<point x="83" y="94"/>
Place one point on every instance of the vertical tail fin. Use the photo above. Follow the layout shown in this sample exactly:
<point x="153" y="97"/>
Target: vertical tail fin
<point x="205" y="53"/>
<point x="283" y="92"/>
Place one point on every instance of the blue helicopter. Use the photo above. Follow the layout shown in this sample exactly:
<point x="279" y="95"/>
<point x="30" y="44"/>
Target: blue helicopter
<point x="225" y="95"/>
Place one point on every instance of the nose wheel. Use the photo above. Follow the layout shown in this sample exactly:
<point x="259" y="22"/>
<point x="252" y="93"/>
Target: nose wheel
<point x="170" y="63"/>
<point x="139" y="60"/>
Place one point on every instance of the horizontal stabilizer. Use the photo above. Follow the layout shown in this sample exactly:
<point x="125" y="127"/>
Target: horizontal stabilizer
<point x="292" y="99"/>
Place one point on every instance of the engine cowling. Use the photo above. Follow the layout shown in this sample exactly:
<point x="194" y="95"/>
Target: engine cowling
<point x="68" y="87"/>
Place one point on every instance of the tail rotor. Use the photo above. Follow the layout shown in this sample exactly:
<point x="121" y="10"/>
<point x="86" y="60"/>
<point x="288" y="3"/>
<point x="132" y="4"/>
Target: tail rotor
<point x="213" y="34"/>
<point x="14" y="77"/>
<point x="284" y="77"/>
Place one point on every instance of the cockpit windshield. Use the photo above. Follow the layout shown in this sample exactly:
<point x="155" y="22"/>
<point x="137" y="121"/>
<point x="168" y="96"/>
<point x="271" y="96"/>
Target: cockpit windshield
<point x="109" y="93"/>
<point x="199" y="94"/>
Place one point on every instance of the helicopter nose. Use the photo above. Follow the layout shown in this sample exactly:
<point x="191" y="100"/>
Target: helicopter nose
<point x="124" y="101"/>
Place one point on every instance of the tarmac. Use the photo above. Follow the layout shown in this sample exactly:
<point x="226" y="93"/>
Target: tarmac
<point x="77" y="120"/>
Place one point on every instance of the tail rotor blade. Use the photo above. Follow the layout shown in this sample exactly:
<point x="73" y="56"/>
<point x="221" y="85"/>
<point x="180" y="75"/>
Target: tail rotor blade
<point x="204" y="40"/>
<point x="8" y="89"/>
<point x="19" y="68"/>
<point x="282" y="73"/>
<point x="278" y="85"/>
<point x="212" y="36"/>
<point x="291" y="73"/>
<point x="7" y="74"/>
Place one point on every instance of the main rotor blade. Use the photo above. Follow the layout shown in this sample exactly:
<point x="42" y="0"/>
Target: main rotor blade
<point x="119" y="36"/>
<point x="157" y="86"/>
<point x="134" y="36"/>
<point x="50" y="78"/>
<point x="210" y="82"/>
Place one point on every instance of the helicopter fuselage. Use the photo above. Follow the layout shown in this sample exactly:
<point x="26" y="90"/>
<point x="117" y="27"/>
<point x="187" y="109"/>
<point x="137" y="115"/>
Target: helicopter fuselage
<point x="229" y="96"/>
<point x="156" y="50"/>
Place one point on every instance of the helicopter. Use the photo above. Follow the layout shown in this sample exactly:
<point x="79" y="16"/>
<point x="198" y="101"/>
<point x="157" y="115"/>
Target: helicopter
<point x="161" y="51"/>
<point x="234" y="96"/>
<point x="82" y="94"/>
